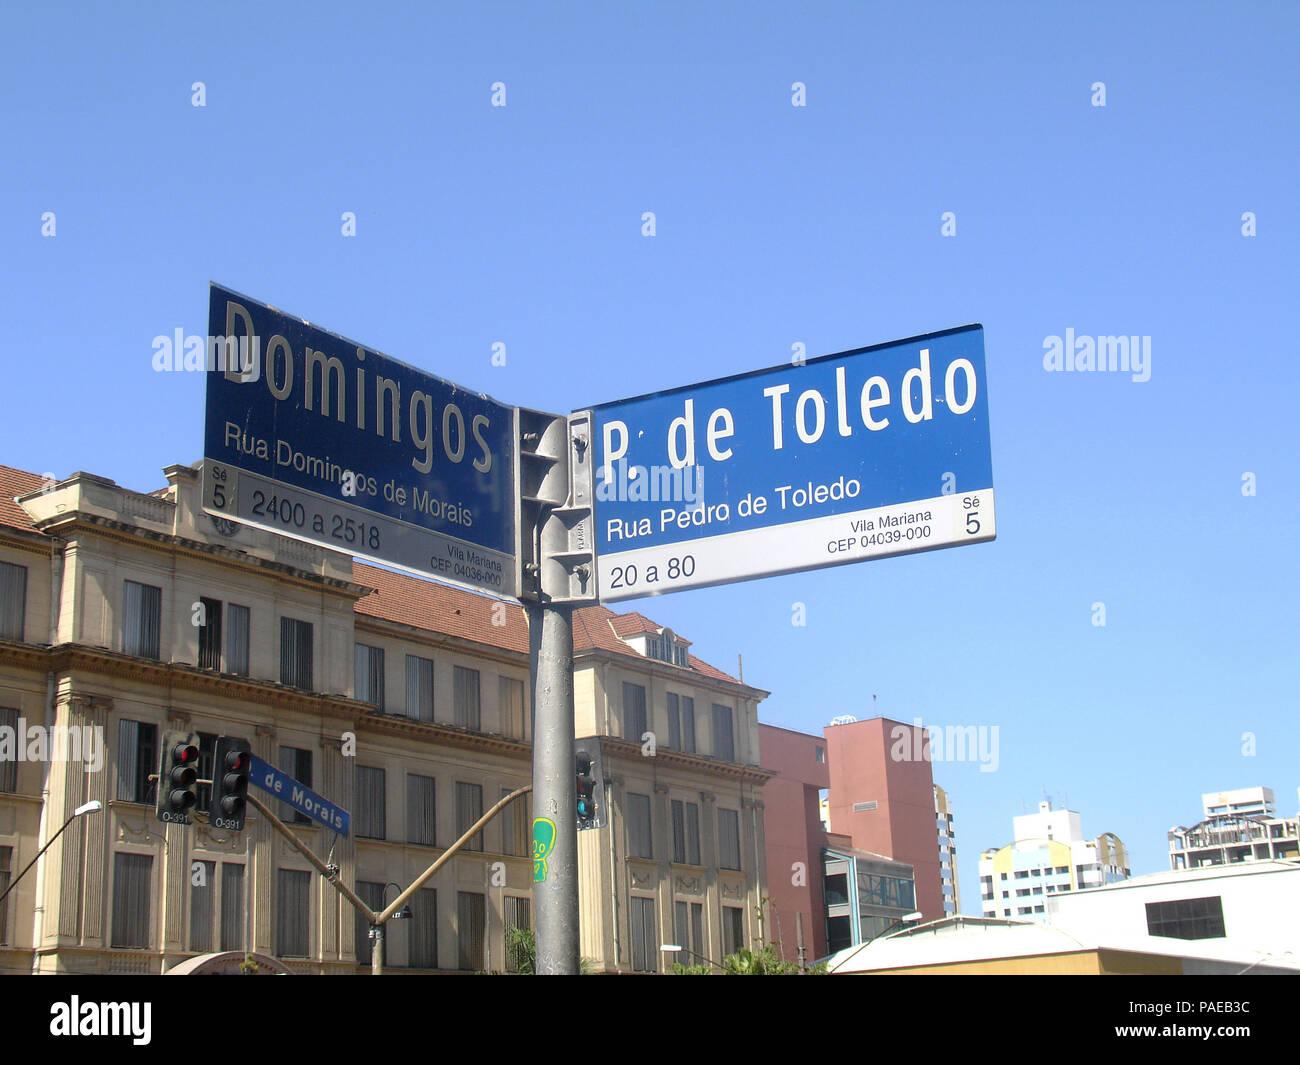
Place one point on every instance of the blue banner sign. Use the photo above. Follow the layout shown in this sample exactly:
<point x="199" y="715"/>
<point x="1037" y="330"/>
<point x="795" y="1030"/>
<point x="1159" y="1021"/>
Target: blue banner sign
<point x="321" y="439"/>
<point x="878" y="451"/>
<point x="279" y="784"/>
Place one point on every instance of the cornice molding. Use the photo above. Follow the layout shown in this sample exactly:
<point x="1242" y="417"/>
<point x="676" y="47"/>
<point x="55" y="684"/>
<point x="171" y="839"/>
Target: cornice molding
<point x="68" y="524"/>
<point x="695" y="762"/>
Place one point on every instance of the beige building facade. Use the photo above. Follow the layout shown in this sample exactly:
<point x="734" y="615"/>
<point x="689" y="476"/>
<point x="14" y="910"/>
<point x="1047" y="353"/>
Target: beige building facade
<point x="124" y="615"/>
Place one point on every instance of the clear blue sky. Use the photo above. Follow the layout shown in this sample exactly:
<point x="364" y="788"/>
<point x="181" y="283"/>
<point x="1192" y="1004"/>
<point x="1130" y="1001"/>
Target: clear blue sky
<point x="775" y="225"/>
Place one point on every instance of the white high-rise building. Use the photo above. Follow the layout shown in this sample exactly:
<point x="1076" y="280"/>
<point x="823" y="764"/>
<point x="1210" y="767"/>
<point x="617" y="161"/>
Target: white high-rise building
<point x="1049" y="855"/>
<point x="1244" y="802"/>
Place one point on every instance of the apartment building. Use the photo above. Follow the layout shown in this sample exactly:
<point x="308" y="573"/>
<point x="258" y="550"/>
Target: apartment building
<point x="125" y="614"/>
<point x="1049" y="855"/>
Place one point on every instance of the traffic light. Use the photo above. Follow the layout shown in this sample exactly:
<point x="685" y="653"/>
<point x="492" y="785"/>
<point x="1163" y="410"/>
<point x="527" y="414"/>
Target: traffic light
<point x="177" y="777"/>
<point x="590" y="783"/>
<point x="230" y="765"/>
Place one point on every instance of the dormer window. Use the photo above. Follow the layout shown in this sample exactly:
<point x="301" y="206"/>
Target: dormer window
<point x="665" y="648"/>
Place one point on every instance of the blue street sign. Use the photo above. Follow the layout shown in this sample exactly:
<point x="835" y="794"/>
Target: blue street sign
<point x="299" y="796"/>
<point x="872" y="452"/>
<point x="321" y="439"/>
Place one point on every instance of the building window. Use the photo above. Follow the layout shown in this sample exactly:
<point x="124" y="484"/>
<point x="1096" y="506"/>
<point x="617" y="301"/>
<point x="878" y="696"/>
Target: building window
<point x="419" y="688"/>
<point x="369" y="823"/>
<point x="518" y="915"/>
<point x="724" y="744"/>
<point x="835" y="889"/>
<point x="293" y="913"/>
<point x="892" y="891"/>
<point x="9" y="766"/>
<point x="207" y="760"/>
<point x="372" y="894"/>
<point x="640" y="842"/>
<point x="686" y="832"/>
<point x="819" y="753"/>
<point x="468" y="712"/>
<point x="1187" y="918"/>
<point x="141" y="620"/>
<point x="681" y="723"/>
<point x="515" y="823"/>
<point x="839" y="933"/>
<point x="6" y="872"/>
<point x="733" y="929"/>
<point x="232" y="906"/>
<point x="471" y="930"/>
<point x="421" y="810"/>
<point x="369" y="677"/>
<point x="203" y="889"/>
<point x="295" y="653"/>
<point x="228" y="622"/>
<point x="634" y="717"/>
<point x="689" y="932"/>
<point x="469" y="808"/>
<point x="728" y="839"/>
<point x="237" y="626"/>
<point x="423" y="952"/>
<point x="132" y="890"/>
<point x="513" y="718"/>
<point x="13" y="600"/>
<point x="210" y="633"/>
<point x="645" y="948"/>
<point x="297" y="763"/>
<point x="137" y="757"/>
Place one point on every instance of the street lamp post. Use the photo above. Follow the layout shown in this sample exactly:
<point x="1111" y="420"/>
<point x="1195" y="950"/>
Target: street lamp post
<point x="88" y="808"/>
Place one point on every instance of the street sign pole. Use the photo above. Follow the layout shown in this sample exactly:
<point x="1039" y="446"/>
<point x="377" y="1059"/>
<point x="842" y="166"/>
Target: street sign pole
<point x="557" y="571"/>
<point x="555" y="894"/>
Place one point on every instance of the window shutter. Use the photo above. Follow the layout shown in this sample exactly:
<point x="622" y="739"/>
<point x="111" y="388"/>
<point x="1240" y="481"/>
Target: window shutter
<point x="13" y="600"/>
<point x="237" y="640"/>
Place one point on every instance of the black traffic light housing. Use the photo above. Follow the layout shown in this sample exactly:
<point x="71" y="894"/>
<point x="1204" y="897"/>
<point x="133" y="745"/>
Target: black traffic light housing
<point x="178" y="775"/>
<point x="590" y="797"/>
<point x="231" y="762"/>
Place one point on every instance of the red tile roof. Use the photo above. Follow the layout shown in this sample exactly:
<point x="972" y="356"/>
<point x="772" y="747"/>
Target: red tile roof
<point x="440" y="608"/>
<point x="633" y="624"/>
<point x="425" y="604"/>
<point x="16" y="483"/>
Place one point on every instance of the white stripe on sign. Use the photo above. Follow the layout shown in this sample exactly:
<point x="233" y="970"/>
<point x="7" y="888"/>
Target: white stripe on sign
<point x="944" y="521"/>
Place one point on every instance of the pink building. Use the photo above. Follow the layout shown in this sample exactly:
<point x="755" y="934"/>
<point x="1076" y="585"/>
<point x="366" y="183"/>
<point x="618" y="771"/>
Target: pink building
<point x="878" y="807"/>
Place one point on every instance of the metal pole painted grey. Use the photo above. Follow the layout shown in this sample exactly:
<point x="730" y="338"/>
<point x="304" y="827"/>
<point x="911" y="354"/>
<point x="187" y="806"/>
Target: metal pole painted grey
<point x="556" y="497"/>
<point x="555" y="876"/>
